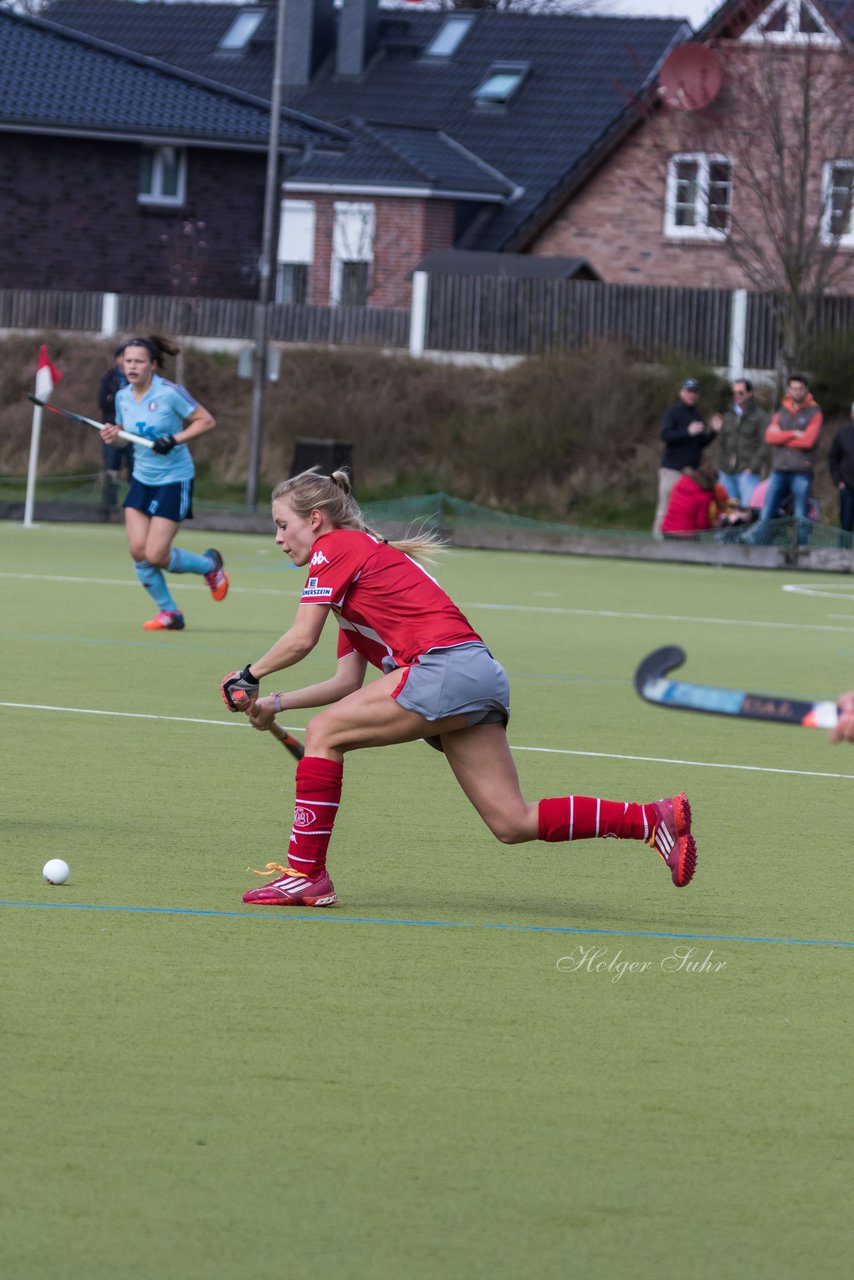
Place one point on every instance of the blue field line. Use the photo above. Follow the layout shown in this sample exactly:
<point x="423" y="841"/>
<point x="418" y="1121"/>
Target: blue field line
<point x="324" y="917"/>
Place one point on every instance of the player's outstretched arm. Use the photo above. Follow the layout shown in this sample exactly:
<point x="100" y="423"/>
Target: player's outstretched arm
<point x="349" y="677"/>
<point x="844" y="730"/>
<point x="240" y="688"/>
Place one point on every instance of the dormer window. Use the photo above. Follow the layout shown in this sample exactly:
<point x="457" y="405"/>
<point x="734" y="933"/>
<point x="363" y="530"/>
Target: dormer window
<point x="791" y="22"/>
<point x="450" y="36"/>
<point x="241" y="31"/>
<point x="501" y="83"/>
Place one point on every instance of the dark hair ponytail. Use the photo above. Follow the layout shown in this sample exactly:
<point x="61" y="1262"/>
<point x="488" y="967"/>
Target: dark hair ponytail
<point x="157" y="347"/>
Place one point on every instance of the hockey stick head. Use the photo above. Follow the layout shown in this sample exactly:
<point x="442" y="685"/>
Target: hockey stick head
<point x="656" y="666"/>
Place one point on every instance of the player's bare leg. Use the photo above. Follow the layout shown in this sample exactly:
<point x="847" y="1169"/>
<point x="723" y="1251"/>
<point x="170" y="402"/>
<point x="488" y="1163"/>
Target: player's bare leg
<point x="149" y="539"/>
<point x="483" y="765"/>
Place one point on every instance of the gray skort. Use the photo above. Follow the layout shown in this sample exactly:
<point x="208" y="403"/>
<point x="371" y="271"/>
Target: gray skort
<point x="464" y="680"/>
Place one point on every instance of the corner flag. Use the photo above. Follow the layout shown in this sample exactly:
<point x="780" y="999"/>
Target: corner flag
<point x="47" y="376"/>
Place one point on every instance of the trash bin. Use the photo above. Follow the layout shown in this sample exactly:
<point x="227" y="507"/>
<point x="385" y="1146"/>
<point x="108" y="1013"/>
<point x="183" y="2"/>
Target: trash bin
<point x="329" y="455"/>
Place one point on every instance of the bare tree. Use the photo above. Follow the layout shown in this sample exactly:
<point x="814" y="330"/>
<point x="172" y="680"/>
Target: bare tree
<point x="779" y="175"/>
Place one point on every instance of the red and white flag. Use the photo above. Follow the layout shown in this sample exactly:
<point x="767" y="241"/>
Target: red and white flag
<point x="47" y="376"/>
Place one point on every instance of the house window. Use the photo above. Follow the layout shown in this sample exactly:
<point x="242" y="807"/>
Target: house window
<point x="241" y="30"/>
<point x="163" y="176"/>
<point x="296" y="251"/>
<point x="699" y="197"/>
<point x="838" y="202"/>
<point x="352" y="254"/>
<point x="501" y="83"/>
<point x="449" y="37"/>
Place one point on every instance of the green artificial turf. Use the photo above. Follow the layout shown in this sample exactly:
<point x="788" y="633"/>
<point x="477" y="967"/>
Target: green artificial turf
<point x="442" y="1078"/>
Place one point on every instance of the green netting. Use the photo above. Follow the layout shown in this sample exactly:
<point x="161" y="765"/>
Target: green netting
<point x="790" y="531"/>
<point x="83" y="489"/>
<point x="447" y="513"/>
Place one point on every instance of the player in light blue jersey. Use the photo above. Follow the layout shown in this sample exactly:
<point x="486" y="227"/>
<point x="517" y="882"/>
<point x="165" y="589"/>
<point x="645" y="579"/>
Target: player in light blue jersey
<point x="161" y="489"/>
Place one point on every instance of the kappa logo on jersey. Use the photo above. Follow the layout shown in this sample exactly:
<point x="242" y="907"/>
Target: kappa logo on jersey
<point x="303" y="816"/>
<point x="317" y="559"/>
<point x="312" y="591"/>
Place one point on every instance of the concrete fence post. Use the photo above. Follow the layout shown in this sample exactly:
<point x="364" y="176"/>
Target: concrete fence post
<point x="418" y="313"/>
<point x="737" y="333"/>
<point x="109" y="315"/>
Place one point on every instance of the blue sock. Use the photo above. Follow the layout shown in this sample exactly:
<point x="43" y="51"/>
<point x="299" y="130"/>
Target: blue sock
<point x="189" y="562"/>
<point x="155" y="584"/>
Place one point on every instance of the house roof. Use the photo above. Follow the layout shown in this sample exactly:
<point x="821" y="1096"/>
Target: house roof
<point x="583" y="73"/>
<point x="733" y="17"/>
<point x="517" y="266"/>
<point x="397" y="157"/>
<point x="60" y="81"/>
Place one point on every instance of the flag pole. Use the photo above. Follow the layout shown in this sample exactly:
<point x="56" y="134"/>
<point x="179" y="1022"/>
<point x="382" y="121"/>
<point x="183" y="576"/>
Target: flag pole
<point x="47" y="376"/>
<point x="32" y="469"/>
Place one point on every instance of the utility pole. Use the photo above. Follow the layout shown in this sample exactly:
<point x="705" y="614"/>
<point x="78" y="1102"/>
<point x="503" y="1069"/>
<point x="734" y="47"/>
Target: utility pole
<point x="272" y="199"/>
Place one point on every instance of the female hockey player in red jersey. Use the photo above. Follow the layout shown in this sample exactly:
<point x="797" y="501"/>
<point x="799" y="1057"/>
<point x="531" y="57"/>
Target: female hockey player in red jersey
<point x="440" y="682"/>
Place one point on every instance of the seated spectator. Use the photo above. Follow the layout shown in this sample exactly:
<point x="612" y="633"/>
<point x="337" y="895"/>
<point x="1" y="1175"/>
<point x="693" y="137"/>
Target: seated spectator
<point x="695" y="503"/>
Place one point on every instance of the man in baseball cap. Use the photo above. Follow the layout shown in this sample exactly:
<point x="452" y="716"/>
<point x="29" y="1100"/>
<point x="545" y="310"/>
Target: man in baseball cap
<point x="685" y="436"/>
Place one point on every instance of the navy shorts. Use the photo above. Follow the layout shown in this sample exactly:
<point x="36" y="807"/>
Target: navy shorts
<point x="169" y="501"/>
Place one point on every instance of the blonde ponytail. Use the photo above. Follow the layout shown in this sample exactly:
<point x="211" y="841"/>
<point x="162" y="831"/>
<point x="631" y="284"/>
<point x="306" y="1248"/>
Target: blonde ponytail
<point x="333" y="495"/>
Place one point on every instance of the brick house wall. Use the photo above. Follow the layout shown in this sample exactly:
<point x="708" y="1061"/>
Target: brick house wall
<point x="617" y="220"/>
<point x="406" y="230"/>
<point x="71" y="220"/>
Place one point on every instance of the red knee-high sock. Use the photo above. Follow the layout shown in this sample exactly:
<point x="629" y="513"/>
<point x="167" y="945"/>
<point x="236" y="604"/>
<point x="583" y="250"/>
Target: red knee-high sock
<point x="583" y="817"/>
<point x="318" y="795"/>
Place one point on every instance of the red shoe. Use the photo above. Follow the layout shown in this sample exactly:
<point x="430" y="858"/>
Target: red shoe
<point x="166" y="620"/>
<point x="671" y="836"/>
<point x="293" y="889"/>
<point x="217" y="579"/>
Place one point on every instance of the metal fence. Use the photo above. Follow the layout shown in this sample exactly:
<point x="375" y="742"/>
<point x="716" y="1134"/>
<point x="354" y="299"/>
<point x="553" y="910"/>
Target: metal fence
<point x="762" y="342"/>
<point x="50" y="309"/>
<point x="480" y="314"/>
<point x="534" y="317"/>
<point x="202" y="318"/>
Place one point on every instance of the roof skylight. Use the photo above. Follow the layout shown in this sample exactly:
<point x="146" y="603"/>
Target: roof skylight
<point x="450" y="36"/>
<point x="501" y="82"/>
<point x="241" y="30"/>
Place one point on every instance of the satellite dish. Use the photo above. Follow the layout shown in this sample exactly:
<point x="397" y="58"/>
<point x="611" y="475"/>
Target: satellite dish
<point x="690" y="77"/>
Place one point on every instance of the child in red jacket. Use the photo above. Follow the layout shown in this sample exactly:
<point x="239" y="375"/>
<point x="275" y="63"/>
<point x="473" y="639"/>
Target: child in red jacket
<point x="695" y="502"/>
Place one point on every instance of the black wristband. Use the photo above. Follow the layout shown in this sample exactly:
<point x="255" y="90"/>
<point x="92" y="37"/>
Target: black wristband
<point x="247" y="675"/>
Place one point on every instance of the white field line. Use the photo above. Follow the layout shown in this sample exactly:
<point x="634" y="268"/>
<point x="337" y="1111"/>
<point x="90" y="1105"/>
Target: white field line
<point x="132" y="582"/>
<point x="473" y="604"/>
<point x="551" y="751"/>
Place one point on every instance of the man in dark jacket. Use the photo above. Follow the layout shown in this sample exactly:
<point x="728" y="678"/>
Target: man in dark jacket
<point x="742" y="451"/>
<point x="841" y="459"/>
<point x="114" y="457"/>
<point x="685" y="436"/>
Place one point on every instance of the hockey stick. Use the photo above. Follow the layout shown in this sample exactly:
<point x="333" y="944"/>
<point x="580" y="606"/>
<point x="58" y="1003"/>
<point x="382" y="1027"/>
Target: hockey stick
<point x="90" y="422"/>
<point x="653" y="685"/>
<point x="288" y="741"/>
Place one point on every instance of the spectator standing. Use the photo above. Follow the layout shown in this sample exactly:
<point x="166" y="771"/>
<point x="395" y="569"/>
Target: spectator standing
<point x="118" y="455"/>
<point x="685" y="436"/>
<point x="793" y="435"/>
<point x="841" y="460"/>
<point x="742" y="451"/>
